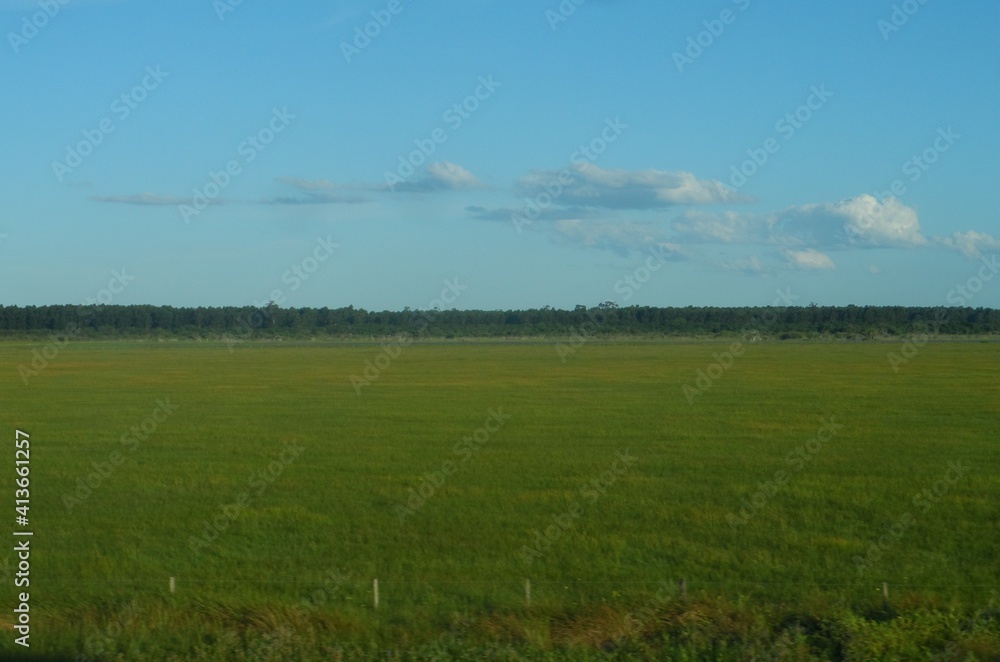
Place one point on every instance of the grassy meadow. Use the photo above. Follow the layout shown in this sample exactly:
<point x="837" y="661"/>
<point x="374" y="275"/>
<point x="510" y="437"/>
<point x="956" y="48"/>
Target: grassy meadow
<point x="274" y="493"/>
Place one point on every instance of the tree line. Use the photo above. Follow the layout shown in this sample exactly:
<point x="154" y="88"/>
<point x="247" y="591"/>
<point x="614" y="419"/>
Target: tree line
<point x="607" y="319"/>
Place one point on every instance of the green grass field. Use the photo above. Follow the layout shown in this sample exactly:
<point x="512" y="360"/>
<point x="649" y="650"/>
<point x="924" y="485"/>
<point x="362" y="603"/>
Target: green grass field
<point x="275" y="494"/>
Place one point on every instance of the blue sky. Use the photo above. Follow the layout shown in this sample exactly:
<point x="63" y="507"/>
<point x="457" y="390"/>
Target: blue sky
<point x="845" y="152"/>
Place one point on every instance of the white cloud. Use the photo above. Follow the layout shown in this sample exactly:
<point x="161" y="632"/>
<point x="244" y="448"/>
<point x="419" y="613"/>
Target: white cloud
<point x="750" y="265"/>
<point x="316" y="192"/>
<point x="590" y="186"/>
<point x="862" y="221"/>
<point x="441" y="176"/>
<point x="453" y="176"/>
<point x="726" y="227"/>
<point x="621" y="236"/>
<point x="885" y="223"/>
<point x="809" y="259"/>
<point x="971" y="243"/>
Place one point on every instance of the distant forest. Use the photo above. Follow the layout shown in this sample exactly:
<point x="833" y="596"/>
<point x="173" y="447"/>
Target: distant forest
<point x="606" y="320"/>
